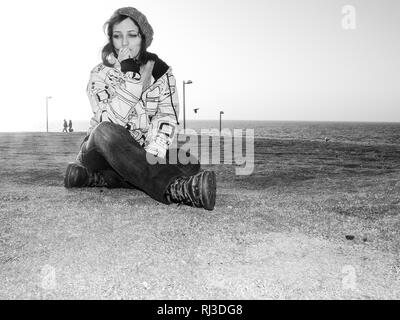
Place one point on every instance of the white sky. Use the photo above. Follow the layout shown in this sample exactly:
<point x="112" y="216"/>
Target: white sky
<point x="262" y="60"/>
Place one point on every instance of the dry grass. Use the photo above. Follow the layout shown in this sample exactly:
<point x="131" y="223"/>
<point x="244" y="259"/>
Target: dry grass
<point x="279" y="233"/>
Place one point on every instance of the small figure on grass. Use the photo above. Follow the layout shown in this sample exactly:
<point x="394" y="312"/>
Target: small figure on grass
<point x="65" y="126"/>
<point x="70" y="129"/>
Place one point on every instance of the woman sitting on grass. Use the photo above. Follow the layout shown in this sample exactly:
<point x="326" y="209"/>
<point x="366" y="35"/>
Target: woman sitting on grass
<point x="135" y="115"/>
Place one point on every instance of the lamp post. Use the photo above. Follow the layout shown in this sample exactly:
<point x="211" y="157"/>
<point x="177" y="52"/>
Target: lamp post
<point x="184" y="113"/>
<point x="47" y="113"/>
<point x="220" y="116"/>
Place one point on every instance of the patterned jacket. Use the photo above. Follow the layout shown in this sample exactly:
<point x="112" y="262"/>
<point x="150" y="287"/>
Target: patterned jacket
<point x="144" y="102"/>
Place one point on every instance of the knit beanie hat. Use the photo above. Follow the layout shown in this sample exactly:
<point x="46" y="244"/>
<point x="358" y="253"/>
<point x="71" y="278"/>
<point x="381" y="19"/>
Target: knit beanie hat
<point x="141" y="20"/>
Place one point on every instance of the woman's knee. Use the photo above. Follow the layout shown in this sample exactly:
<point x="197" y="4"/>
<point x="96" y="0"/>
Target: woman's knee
<point x="107" y="133"/>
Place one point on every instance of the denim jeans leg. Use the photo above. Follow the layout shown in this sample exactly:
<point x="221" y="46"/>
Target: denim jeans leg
<point x="92" y="160"/>
<point x="123" y="153"/>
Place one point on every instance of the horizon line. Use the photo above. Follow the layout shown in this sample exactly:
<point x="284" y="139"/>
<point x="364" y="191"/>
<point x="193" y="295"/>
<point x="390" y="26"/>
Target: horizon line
<point x="181" y="124"/>
<point x="269" y="120"/>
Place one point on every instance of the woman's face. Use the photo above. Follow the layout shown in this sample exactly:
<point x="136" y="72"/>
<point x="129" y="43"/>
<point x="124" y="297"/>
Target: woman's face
<point x="126" y="35"/>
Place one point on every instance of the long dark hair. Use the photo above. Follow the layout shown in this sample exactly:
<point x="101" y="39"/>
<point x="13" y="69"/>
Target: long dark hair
<point x="144" y="56"/>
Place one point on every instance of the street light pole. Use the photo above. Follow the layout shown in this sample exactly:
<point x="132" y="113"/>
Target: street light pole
<point x="220" y="116"/>
<point x="184" y="111"/>
<point x="47" y="113"/>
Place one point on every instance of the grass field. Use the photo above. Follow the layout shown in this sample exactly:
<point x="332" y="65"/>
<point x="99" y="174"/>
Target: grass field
<point x="314" y="220"/>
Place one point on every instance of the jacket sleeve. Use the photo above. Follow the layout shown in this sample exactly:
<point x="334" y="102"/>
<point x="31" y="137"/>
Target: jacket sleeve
<point x="112" y="95"/>
<point x="164" y="123"/>
<point x="97" y="94"/>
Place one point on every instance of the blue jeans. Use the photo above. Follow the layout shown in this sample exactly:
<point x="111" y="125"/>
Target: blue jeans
<point x="111" y="149"/>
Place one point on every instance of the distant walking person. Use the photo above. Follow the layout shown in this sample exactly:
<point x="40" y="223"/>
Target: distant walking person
<point x="134" y="100"/>
<point x="65" y="126"/>
<point x="70" y="126"/>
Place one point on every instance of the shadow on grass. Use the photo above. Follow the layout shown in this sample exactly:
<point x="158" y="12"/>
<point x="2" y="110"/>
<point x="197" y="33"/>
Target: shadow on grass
<point x="42" y="177"/>
<point x="371" y="212"/>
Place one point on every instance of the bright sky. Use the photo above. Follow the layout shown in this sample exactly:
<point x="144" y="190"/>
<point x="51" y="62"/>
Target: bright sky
<point x="254" y="59"/>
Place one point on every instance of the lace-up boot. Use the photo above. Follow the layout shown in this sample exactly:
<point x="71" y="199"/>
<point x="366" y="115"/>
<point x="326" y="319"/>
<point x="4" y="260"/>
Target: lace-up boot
<point x="198" y="190"/>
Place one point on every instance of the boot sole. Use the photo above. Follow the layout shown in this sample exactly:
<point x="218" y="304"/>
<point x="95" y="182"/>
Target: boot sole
<point x="209" y="189"/>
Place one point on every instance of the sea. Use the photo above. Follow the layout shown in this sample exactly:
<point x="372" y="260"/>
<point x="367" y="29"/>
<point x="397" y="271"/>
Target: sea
<point x="368" y="133"/>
